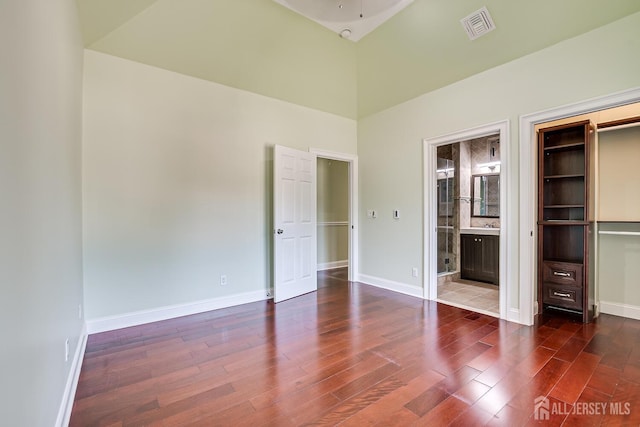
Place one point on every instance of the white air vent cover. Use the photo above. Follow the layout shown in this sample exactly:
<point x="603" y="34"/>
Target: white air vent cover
<point x="478" y="23"/>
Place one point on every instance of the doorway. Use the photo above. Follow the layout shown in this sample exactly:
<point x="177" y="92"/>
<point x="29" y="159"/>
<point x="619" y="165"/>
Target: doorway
<point x="459" y="169"/>
<point x="602" y="109"/>
<point x="337" y="219"/>
<point x="468" y="215"/>
<point x="333" y="217"/>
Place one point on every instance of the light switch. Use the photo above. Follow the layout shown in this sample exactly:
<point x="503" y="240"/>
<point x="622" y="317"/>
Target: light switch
<point x="396" y="214"/>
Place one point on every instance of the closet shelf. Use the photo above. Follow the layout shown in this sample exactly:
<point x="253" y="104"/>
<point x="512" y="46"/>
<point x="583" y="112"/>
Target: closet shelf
<point x="578" y="175"/>
<point x="564" y="147"/>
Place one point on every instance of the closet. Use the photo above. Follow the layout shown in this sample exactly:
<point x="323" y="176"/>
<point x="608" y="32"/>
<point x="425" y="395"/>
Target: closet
<point x="588" y="230"/>
<point x="565" y="218"/>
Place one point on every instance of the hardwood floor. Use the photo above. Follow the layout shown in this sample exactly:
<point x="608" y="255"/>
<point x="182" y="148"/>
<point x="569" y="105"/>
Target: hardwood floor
<point x="357" y="355"/>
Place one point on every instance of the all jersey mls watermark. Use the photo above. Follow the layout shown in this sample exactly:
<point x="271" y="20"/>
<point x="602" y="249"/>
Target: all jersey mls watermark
<point x="543" y="408"/>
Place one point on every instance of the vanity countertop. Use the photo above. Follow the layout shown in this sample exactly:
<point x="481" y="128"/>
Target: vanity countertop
<point x="481" y="230"/>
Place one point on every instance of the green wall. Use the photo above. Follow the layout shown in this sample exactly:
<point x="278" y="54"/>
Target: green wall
<point x="40" y="212"/>
<point x="390" y="147"/>
<point x="177" y="184"/>
<point x="254" y="45"/>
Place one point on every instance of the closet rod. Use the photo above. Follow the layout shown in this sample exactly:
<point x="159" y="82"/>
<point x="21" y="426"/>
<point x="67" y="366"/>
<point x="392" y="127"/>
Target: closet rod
<point x="619" y="124"/>
<point x="620" y="233"/>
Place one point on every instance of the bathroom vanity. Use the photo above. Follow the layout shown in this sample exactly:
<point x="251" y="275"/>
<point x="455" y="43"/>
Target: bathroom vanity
<point x="480" y="254"/>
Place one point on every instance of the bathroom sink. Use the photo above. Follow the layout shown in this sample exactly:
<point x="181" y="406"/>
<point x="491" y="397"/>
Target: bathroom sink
<point x="481" y="230"/>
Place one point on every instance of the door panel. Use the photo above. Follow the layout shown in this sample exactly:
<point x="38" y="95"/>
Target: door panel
<point x="295" y="233"/>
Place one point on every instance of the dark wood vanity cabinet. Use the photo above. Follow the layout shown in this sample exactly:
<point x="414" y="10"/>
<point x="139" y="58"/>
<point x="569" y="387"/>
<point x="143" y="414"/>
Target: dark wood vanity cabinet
<point x="565" y="219"/>
<point x="480" y="255"/>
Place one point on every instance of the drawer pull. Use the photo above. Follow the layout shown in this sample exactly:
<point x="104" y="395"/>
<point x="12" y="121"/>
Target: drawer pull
<point x="561" y="294"/>
<point x="561" y="274"/>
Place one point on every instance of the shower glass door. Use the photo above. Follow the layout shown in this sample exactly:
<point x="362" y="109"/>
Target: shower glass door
<point x="445" y="179"/>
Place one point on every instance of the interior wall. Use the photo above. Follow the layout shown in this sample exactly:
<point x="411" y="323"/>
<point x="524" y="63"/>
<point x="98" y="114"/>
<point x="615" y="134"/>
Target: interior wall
<point x="619" y="269"/>
<point x="390" y="142"/>
<point x="178" y="183"/>
<point x="40" y="212"/>
<point x="333" y="213"/>
<point x="619" y="175"/>
<point x="619" y="205"/>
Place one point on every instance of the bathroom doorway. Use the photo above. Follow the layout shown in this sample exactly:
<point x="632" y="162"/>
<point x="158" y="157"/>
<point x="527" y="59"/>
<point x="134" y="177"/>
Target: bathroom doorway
<point x="465" y="194"/>
<point x="468" y="210"/>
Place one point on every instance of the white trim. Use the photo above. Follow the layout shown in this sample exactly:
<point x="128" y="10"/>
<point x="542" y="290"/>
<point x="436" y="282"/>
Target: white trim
<point x="352" y="159"/>
<point x="507" y="238"/>
<point x="528" y="192"/>
<point x="333" y="264"/>
<point x="403" y="288"/>
<point x="468" y="307"/>
<point x="136" y="318"/>
<point x="617" y="309"/>
<point x="64" y="412"/>
<point x="513" y="315"/>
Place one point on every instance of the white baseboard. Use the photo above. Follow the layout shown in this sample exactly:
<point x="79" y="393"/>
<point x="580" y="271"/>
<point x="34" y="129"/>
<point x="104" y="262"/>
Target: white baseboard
<point x="618" y="309"/>
<point x="403" y="288"/>
<point x="513" y="315"/>
<point x="126" y="320"/>
<point x="333" y="264"/>
<point x="64" y="412"/>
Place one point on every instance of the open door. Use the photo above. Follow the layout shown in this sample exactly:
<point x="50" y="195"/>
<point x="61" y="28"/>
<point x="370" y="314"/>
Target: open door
<point x="294" y="218"/>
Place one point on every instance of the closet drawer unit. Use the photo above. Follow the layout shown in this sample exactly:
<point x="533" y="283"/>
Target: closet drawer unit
<point x="562" y="296"/>
<point x="562" y="273"/>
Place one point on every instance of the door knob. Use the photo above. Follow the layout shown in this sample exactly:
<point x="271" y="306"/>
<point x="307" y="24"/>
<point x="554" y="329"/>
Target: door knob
<point x="280" y="231"/>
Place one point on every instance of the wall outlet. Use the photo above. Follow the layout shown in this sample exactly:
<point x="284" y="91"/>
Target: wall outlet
<point x="414" y="272"/>
<point x="223" y="280"/>
<point x="66" y="350"/>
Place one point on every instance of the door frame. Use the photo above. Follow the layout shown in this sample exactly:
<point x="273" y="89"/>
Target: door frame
<point x="430" y="240"/>
<point x="352" y="160"/>
<point x="528" y="187"/>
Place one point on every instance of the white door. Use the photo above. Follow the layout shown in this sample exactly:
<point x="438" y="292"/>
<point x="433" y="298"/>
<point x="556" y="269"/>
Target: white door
<point x="294" y="218"/>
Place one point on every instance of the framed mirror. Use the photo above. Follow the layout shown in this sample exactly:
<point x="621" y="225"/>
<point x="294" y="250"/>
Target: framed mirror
<point x="485" y="195"/>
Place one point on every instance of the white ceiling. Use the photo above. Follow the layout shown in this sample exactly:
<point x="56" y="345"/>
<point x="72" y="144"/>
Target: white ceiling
<point x="360" y="17"/>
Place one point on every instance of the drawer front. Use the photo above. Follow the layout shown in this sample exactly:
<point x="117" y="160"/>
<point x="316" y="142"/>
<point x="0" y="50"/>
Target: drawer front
<point x="562" y="273"/>
<point x="562" y="296"/>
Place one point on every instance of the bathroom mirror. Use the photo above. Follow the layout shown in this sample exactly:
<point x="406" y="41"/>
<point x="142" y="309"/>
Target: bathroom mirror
<point x="485" y="195"/>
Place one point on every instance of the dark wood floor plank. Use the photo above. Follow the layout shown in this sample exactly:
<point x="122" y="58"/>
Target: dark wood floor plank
<point x="355" y="355"/>
<point x="571" y="385"/>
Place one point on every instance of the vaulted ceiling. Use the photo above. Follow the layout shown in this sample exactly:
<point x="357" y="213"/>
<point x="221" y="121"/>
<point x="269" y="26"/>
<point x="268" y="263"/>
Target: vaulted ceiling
<point x="263" y="47"/>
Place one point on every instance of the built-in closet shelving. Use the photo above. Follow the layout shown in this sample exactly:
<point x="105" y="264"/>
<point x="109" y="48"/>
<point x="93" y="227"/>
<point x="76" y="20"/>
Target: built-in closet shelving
<point x="564" y="219"/>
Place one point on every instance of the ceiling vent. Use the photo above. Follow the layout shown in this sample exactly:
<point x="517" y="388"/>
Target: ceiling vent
<point x="478" y="23"/>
